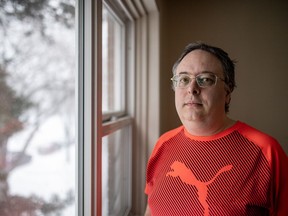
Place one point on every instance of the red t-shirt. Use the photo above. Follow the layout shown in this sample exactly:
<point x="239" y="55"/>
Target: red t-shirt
<point x="240" y="171"/>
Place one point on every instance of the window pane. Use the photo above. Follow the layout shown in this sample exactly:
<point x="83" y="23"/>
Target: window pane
<point x="37" y="115"/>
<point x="116" y="173"/>
<point x="112" y="65"/>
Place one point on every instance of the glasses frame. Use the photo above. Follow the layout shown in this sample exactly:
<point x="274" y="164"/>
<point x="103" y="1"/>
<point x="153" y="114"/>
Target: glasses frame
<point x="175" y="81"/>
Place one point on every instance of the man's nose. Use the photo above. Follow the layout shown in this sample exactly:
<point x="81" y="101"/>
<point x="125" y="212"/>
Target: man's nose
<point x="193" y="87"/>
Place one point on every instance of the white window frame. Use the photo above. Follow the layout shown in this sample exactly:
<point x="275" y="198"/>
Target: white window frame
<point x="143" y="104"/>
<point x="89" y="123"/>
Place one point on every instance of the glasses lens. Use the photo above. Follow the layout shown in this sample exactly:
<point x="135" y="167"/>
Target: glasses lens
<point x="182" y="80"/>
<point x="206" y="80"/>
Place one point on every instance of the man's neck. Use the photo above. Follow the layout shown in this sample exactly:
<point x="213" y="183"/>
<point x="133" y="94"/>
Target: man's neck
<point x="206" y="128"/>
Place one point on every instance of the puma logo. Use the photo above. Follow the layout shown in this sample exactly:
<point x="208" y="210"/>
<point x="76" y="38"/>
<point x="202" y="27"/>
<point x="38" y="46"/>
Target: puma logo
<point x="186" y="175"/>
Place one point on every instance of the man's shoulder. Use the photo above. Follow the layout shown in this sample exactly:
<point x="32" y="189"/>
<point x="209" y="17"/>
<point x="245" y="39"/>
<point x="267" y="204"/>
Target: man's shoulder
<point x="269" y="146"/>
<point x="166" y="137"/>
<point x="255" y="135"/>
<point x="170" y="134"/>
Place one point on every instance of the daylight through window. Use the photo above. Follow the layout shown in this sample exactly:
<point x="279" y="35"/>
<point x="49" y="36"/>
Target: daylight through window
<point x="37" y="107"/>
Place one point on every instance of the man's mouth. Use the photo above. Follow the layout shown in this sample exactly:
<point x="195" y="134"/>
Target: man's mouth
<point x="192" y="103"/>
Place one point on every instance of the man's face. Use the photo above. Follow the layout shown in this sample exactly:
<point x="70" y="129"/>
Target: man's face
<point x="195" y="104"/>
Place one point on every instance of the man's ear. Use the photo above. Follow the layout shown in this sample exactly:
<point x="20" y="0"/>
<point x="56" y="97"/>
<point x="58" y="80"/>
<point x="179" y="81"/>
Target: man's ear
<point x="228" y="98"/>
<point x="228" y="95"/>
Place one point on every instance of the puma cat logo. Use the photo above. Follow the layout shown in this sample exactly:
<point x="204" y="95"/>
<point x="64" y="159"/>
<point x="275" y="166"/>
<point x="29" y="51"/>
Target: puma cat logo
<point x="186" y="175"/>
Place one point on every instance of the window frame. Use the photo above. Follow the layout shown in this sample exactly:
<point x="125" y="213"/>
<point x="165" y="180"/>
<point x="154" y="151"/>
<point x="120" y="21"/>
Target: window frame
<point x="142" y="104"/>
<point x="89" y="42"/>
<point x="115" y="121"/>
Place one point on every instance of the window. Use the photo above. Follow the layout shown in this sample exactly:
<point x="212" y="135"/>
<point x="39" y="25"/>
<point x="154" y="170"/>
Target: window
<point x="105" y="121"/>
<point x="113" y="56"/>
<point x="116" y="172"/>
<point x="118" y="55"/>
<point x="57" y="158"/>
<point x="117" y="129"/>
<point x="37" y="107"/>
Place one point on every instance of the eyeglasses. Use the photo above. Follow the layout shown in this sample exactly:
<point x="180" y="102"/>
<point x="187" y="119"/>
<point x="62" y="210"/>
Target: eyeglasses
<point x="203" y="80"/>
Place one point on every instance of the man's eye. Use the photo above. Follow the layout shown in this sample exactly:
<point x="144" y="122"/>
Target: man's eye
<point x="206" y="80"/>
<point x="184" y="80"/>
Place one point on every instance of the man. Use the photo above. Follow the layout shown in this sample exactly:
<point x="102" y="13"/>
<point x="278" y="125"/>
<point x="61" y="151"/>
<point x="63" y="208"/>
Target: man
<point x="213" y="165"/>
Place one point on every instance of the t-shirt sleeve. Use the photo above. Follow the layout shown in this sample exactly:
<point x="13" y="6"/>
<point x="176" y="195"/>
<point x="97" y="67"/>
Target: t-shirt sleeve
<point x="279" y="164"/>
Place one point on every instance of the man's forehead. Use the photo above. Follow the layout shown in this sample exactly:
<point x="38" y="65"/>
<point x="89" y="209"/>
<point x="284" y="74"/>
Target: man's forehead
<point x="201" y="53"/>
<point x="200" y="60"/>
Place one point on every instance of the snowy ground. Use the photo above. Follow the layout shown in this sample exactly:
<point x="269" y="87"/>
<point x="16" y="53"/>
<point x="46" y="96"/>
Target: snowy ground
<point x="48" y="174"/>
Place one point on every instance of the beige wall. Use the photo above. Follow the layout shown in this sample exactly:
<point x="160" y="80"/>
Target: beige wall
<point x="255" y="33"/>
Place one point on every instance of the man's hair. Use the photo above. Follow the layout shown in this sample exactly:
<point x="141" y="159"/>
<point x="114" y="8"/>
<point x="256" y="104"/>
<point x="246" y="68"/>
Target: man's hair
<point x="227" y="64"/>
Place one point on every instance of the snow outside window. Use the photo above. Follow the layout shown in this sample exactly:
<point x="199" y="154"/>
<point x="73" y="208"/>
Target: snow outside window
<point x="37" y="107"/>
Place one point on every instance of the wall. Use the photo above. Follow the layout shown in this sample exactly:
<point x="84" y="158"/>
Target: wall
<point x="255" y="34"/>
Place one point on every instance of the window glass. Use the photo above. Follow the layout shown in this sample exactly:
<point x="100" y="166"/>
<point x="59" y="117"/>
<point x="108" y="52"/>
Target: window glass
<point x="37" y="107"/>
<point x="116" y="172"/>
<point x="112" y="64"/>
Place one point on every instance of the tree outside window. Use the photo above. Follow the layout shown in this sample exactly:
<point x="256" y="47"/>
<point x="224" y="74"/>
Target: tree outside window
<point x="37" y="107"/>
